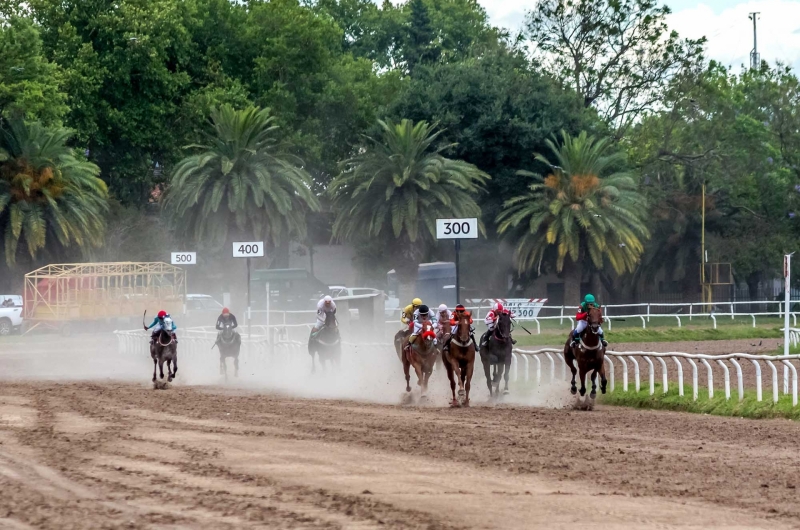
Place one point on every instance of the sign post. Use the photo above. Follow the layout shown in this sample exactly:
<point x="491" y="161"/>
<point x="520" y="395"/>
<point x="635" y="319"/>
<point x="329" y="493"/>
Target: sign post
<point x="787" y="275"/>
<point x="457" y="229"/>
<point x="248" y="249"/>
<point x="184" y="258"/>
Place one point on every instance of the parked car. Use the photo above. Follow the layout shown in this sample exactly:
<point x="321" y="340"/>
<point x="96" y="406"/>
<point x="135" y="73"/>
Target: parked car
<point x="391" y="304"/>
<point x="202" y="310"/>
<point x="11" y="318"/>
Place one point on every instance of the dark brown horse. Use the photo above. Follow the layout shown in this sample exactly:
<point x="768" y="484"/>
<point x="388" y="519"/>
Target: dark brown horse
<point x="326" y="344"/>
<point x="459" y="360"/>
<point x="496" y="352"/>
<point x="422" y="355"/>
<point x="590" y="354"/>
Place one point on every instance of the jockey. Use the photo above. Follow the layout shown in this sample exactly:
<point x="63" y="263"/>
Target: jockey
<point x="460" y="310"/>
<point x="225" y="318"/>
<point x="165" y="322"/>
<point x="583" y="320"/>
<point x="410" y="312"/>
<point x="491" y="321"/>
<point x="444" y="315"/>
<point x="421" y="315"/>
<point x="324" y="307"/>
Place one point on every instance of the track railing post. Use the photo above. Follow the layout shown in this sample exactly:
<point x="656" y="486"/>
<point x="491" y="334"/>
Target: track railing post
<point x="710" y="379"/>
<point x="651" y="374"/>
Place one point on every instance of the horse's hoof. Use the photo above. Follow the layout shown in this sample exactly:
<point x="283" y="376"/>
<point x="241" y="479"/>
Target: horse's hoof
<point x="169" y="379"/>
<point x="573" y="390"/>
<point x="454" y="404"/>
<point x="466" y="403"/>
<point x="408" y="389"/>
<point x="506" y="392"/>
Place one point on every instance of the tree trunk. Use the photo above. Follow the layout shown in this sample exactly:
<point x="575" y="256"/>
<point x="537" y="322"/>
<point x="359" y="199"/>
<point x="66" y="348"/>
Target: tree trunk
<point x="752" y="287"/>
<point x="573" y="274"/>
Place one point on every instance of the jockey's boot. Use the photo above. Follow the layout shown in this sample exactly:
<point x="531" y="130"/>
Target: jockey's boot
<point x="153" y="338"/>
<point x="576" y="339"/>
<point x="603" y="340"/>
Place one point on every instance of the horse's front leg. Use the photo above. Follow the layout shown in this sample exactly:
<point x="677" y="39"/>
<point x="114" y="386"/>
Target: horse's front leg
<point x="155" y="364"/>
<point x="487" y="373"/>
<point x="582" y="373"/>
<point x="467" y="374"/>
<point x="222" y="366"/>
<point x="406" y="371"/>
<point x="161" y="366"/>
<point x="507" y="371"/>
<point x="603" y="380"/>
<point x="175" y="362"/>
<point x="593" y="394"/>
<point x="236" y="366"/>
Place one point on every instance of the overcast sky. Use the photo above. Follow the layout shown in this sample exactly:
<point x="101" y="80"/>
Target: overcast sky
<point x="723" y="22"/>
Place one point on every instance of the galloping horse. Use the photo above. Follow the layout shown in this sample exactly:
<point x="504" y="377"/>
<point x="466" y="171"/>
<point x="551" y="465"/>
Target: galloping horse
<point x="162" y="350"/>
<point x="229" y="342"/>
<point x="459" y="358"/>
<point x="422" y="355"/>
<point x="327" y="344"/>
<point x="497" y="352"/>
<point x="443" y="333"/>
<point x="590" y="354"/>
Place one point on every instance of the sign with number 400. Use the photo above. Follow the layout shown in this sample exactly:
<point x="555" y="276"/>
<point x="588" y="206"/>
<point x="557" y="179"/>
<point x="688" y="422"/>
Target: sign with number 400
<point x="457" y="228"/>
<point x="252" y="249"/>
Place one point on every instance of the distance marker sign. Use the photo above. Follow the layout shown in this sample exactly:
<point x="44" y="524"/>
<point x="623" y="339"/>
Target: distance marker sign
<point x="184" y="258"/>
<point x="252" y="249"/>
<point x="457" y="228"/>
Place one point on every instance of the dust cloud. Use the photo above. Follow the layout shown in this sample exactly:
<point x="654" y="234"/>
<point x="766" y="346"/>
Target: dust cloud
<point x="368" y="373"/>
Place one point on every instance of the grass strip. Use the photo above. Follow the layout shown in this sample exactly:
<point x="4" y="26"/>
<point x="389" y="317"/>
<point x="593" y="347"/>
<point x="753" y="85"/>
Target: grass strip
<point x="718" y="405"/>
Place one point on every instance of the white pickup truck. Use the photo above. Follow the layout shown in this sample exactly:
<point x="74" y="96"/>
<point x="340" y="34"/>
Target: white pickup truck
<point x="10" y="313"/>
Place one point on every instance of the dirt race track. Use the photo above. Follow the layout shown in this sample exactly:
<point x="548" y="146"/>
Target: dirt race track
<point x="113" y="453"/>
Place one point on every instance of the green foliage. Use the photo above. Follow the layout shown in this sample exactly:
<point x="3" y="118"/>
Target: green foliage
<point x="397" y="187"/>
<point x="48" y="196"/>
<point x="732" y="133"/>
<point x="584" y="208"/>
<point x="241" y="180"/>
<point x="29" y="84"/>
<point x="617" y="55"/>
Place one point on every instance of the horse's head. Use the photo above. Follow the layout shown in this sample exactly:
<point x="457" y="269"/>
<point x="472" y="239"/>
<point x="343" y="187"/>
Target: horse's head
<point x="503" y="328"/>
<point x="330" y="319"/>
<point x="227" y="330"/>
<point x="428" y="333"/>
<point x="595" y="318"/>
<point x="463" y="326"/>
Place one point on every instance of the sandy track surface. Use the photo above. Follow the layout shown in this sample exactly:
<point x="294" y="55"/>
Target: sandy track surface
<point x="121" y="455"/>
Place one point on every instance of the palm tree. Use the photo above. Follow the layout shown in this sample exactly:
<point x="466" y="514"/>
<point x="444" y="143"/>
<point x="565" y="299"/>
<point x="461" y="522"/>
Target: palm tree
<point x="584" y="208"/>
<point x="241" y="179"/>
<point x="48" y="196"/>
<point x="396" y="188"/>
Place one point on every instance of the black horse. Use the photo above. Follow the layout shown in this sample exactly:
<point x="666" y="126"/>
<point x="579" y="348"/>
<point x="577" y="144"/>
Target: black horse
<point x="496" y="352"/>
<point x="164" y="349"/>
<point x="229" y="342"/>
<point x="326" y="343"/>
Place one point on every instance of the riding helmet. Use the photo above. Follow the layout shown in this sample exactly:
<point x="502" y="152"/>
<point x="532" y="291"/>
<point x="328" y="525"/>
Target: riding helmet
<point x="225" y="311"/>
<point x="589" y="299"/>
<point x="162" y="314"/>
<point x="442" y="308"/>
<point x="423" y="310"/>
<point x="416" y="302"/>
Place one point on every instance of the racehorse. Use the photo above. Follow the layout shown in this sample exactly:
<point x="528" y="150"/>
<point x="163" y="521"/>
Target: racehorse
<point x="422" y="355"/>
<point x="327" y="344"/>
<point x="162" y="350"/>
<point x="590" y="354"/>
<point x="443" y="333"/>
<point x="459" y="359"/>
<point x="229" y="342"/>
<point x="497" y="353"/>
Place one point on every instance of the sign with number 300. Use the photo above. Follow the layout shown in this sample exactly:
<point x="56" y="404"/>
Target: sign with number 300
<point x="457" y="228"/>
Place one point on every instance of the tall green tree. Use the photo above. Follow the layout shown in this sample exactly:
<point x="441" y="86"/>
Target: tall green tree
<point x="50" y="198"/>
<point x="585" y="209"/>
<point x="396" y="188"/>
<point x="241" y="182"/>
<point x="30" y="85"/>
<point x="617" y="55"/>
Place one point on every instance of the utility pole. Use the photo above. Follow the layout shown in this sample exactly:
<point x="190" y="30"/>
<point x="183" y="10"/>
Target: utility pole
<point x="755" y="58"/>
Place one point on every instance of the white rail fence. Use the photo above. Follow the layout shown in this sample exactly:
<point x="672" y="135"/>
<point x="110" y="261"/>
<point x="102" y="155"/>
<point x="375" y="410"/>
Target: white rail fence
<point x="678" y="313"/>
<point x="540" y="366"/>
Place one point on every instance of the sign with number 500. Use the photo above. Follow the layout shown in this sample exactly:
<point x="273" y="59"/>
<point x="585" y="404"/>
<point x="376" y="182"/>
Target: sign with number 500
<point x="252" y="249"/>
<point x="457" y="228"/>
<point x="184" y="258"/>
